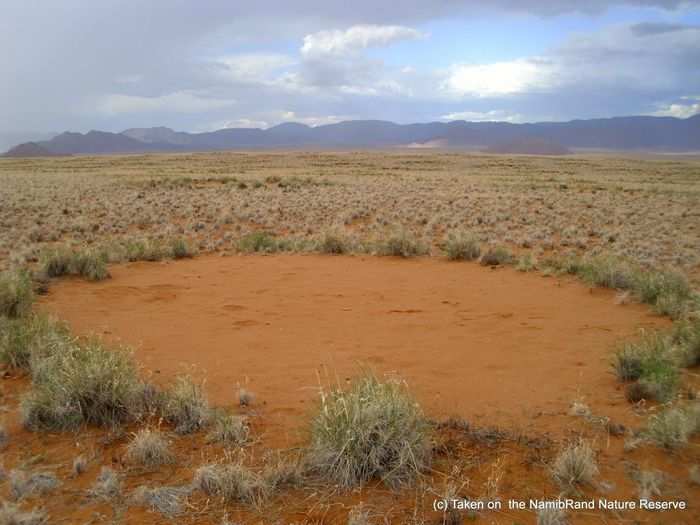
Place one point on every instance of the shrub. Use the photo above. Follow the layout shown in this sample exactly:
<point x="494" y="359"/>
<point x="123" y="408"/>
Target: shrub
<point x="180" y="249"/>
<point x="149" y="448"/>
<point x="606" y="272"/>
<point x="686" y="335"/>
<point x="12" y="515"/>
<point x="230" y="430"/>
<point x="16" y="294"/>
<point x="497" y="256"/>
<point x="575" y="465"/>
<point x="373" y="430"/>
<point x="462" y="247"/>
<point x="186" y="406"/>
<point x="232" y="482"/>
<point x="26" y="341"/>
<point x="56" y="263"/>
<point x="333" y="244"/>
<point x="526" y="263"/>
<point x="650" y="286"/>
<point x="166" y="500"/>
<point x="82" y="383"/>
<point x="90" y="265"/>
<point x="107" y="486"/>
<point x="259" y="242"/>
<point x="673" y="427"/>
<point x="402" y="244"/>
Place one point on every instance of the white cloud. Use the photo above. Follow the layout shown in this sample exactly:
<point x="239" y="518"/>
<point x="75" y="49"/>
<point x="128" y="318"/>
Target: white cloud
<point x="311" y="120"/>
<point x="496" y="79"/>
<point x="356" y="38"/>
<point x="253" y="67"/>
<point x="679" y="110"/>
<point x="177" y="102"/>
<point x="495" y="115"/>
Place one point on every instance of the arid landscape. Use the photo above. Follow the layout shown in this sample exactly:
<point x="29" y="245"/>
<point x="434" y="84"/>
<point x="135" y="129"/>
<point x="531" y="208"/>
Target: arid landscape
<point x="349" y="337"/>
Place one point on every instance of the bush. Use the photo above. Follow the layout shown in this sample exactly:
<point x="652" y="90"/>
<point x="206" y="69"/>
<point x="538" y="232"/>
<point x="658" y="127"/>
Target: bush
<point x="333" y="244"/>
<point x="575" y="465"/>
<point x="180" y="249"/>
<point x="232" y="482"/>
<point x="497" y="256"/>
<point x="686" y="335"/>
<point x="462" y="247"/>
<point x="526" y="263"/>
<point x="260" y="242"/>
<point x="673" y="427"/>
<point x="82" y="383"/>
<point x="26" y="341"/>
<point x="402" y="244"/>
<point x="149" y="448"/>
<point x="90" y="265"/>
<point x="16" y="294"/>
<point x="373" y="430"/>
<point x="186" y="406"/>
<point x="650" y="287"/>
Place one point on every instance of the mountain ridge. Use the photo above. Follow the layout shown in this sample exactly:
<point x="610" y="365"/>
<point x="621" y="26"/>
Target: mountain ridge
<point x="614" y="133"/>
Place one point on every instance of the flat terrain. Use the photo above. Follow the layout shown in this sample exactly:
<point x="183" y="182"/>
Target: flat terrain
<point x="509" y="366"/>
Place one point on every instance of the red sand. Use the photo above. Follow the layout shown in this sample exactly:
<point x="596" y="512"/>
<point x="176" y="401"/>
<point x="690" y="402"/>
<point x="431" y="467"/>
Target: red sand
<point x="494" y="346"/>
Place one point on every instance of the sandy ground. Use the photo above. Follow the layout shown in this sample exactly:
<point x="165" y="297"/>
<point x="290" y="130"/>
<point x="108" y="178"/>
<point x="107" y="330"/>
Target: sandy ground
<point x="493" y="346"/>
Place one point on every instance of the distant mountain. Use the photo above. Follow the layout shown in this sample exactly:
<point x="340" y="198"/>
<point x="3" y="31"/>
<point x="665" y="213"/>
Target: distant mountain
<point x="529" y="146"/>
<point x="618" y="133"/>
<point x="30" y="149"/>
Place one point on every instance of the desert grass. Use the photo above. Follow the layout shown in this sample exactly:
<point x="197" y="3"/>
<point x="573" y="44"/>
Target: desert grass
<point x="149" y="448"/>
<point x="284" y="472"/>
<point x="333" y="243"/>
<point x="373" y="430"/>
<point x="649" y="483"/>
<point x="166" y="500"/>
<point x="401" y="243"/>
<point x="230" y="430"/>
<point x="231" y="481"/>
<point x="80" y="465"/>
<point x="107" y="486"/>
<point x="673" y="427"/>
<point x="89" y="264"/>
<point x="11" y="514"/>
<point x="551" y="516"/>
<point x="359" y="515"/>
<point x="16" y="293"/>
<point x="82" y="382"/>
<point x="575" y="466"/>
<point x="460" y="246"/>
<point x="26" y="341"/>
<point x="185" y="406"/>
<point x="497" y="256"/>
<point x="25" y="485"/>
<point x="181" y="249"/>
<point x="4" y="436"/>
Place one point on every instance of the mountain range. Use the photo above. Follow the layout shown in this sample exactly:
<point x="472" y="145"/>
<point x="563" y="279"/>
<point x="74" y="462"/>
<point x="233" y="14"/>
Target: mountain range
<point x="640" y="133"/>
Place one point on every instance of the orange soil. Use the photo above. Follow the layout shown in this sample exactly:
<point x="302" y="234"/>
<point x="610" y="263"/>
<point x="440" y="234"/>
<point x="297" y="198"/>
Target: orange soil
<point x="494" y="346"/>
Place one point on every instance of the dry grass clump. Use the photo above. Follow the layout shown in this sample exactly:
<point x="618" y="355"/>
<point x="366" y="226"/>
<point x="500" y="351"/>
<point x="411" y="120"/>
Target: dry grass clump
<point x="11" y="514"/>
<point x="16" y="294"/>
<point x="650" y="362"/>
<point x="686" y="335"/>
<point x="359" y="515"/>
<point x="185" y="406"/>
<point x="261" y="241"/>
<point x="149" y="448"/>
<point x="80" y="464"/>
<point x="373" y="430"/>
<point x="166" y="500"/>
<point x="107" y="486"/>
<point x="232" y="482"/>
<point x="334" y="244"/>
<point x="460" y="246"/>
<point x="180" y="249"/>
<point x="24" y="342"/>
<point x="402" y="244"/>
<point x="91" y="265"/>
<point x="23" y="485"/>
<point x="575" y="465"/>
<point x="82" y="383"/>
<point x="497" y="256"/>
<point x="551" y="516"/>
<point x="229" y="430"/>
<point x="284" y="472"/>
<point x="673" y="427"/>
<point x="526" y="263"/>
<point x="649" y="483"/>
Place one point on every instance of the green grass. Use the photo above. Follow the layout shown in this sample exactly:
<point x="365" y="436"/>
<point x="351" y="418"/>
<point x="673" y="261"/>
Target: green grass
<point x="24" y="342"/>
<point x="333" y="244"/>
<point x="16" y="293"/>
<point x="89" y="264"/>
<point x="500" y="255"/>
<point x="185" y="406"/>
<point x="262" y="242"/>
<point x="460" y="246"/>
<point x="673" y="427"/>
<point x="401" y="244"/>
<point x="373" y="430"/>
<point x="180" y="249"/>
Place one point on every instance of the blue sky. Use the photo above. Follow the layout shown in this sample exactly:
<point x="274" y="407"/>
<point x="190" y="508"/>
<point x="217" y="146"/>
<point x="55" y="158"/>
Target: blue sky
<point x="201" y="66"/>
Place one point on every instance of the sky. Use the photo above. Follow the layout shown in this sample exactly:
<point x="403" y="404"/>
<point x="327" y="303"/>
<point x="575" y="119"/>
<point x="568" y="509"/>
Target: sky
<point x="210" y="64"/>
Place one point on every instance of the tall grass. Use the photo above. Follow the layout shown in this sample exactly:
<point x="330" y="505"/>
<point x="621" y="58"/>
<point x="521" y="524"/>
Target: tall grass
<point x="16" y="293"/>
<point x="460" y="246"/>
<point x="373" y="430"/>
<point x="185" y="406"/>
<point x="402" y="244"/>
<point x="89" y="264"/>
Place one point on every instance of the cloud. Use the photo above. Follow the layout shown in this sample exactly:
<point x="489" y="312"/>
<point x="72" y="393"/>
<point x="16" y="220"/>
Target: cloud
<point x="679" y="110"/>
<point x="334" y="43"/>
<point x="253" y="67"/>
<point x="178" y="102"/>
<point x="496" y="79"/>
<point x="495" y="115"/>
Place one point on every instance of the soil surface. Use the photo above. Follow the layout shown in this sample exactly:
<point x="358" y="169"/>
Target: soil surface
<point x="494" y="346"/>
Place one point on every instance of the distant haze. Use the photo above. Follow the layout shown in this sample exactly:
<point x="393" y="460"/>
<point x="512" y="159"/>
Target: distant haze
<point x="203" y="66"/>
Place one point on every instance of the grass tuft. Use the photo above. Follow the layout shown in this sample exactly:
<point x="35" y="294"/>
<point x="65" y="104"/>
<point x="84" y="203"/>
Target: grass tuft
<point x="229" y="430"/>
<point x="462" y="247"/>
<point x="11" y="514"/>
<point x="232" y="482"/>
<point x="673" y="427"/>
<point x="16" y="294"/>
<point x="551" y="516"/>
<point x="166" y="500"/>
<point x="107" y="486"/>
<point x="375" y="429"/>
<point x="150" y="449"/>
<point x="185" y="406"/>
<point x="402" y="244"/>
<point x="497" y="256"/>
<point x="575" y="465"/>
<point x="333" y="244"/>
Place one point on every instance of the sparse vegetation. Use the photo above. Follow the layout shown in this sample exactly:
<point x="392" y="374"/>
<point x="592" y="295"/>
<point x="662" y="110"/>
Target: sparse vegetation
<point x="232" y="481"/>
<point x="551" y="516"/>
<point x="16" y="294"/>
<point x="90" y="265"/>
<point x="402" y="244"/>
<point x="462" y="247"/>
<point x="672" y="427"/>
<point x="26" y="485"/>
<point x="334" y="244"/>
<point x="166" y="500"/>
<point x="497" y="256"/>
<point x="149" y="448"/>
<point x="107" y="486"/>
<point x="186" y="406"/>
<point x="11" y="514"/>
<point x="229" y="430"/>
<point x="575" y="465"/>
<point x="373" y="430"/>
